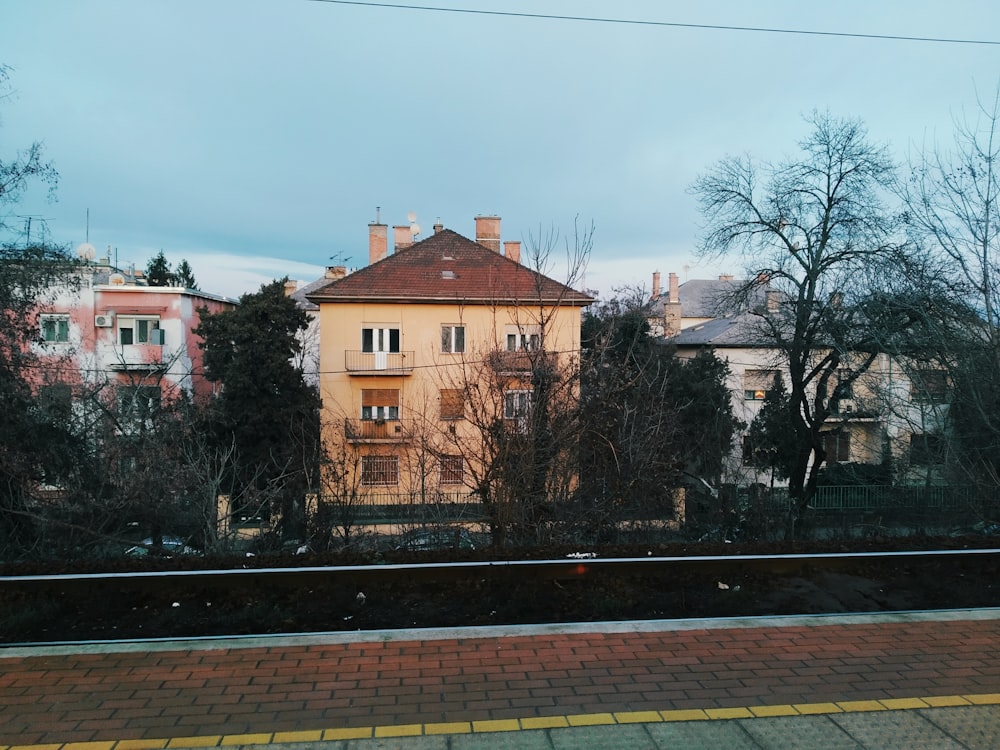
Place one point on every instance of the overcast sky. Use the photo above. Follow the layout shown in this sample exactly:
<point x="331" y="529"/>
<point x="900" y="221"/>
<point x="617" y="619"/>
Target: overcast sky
<point x="257" y="137"/>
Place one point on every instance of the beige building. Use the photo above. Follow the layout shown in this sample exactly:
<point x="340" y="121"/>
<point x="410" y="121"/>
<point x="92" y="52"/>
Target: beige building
<point x="896" y="409"/>
<point x="427" y="349"/>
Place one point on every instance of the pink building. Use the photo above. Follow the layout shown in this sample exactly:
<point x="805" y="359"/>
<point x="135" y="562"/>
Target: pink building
<point x="107" y="332"/>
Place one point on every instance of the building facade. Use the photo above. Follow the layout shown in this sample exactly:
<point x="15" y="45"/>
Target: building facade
<point x="426" y="350"/>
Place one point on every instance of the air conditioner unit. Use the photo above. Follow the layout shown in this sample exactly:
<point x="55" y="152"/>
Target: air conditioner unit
<point x="104" y="321"/>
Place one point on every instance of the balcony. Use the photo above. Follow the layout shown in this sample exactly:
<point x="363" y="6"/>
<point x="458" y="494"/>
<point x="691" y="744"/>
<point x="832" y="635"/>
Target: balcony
<point x="137" y="358"/>
<point x="850" y="410"/>
<point x="379" y="363"/>
<point x="520" y="362"/>
<point x="376" y="431"/>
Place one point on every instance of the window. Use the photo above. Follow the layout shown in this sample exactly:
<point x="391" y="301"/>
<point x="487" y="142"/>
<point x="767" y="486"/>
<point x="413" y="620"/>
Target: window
<point x="523" y="338"/>
<point x="379" y="471"/>
<point x="452" y="403"/>
<point x="752" y="455"/>
<point x="452" y="470"/>
<point x="379" y="404"/>
<point x="838" y="446"/>
<point x="138" y="405"/>
<point x="380" y="340"/>
<point x="517" y="407"/>
<point x="844" y="387"/>
<point x="55" y="329"/>
<point x="136" y="330"/>
<point x="757" y="383"/>
<point x="56" y="401"/>
<point x="928" y="386"/>
<point x="926" y="449"/>
<point x="452" y="339"/>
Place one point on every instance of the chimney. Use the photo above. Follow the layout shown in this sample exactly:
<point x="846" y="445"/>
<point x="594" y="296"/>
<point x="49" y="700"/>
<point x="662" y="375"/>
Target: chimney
<point x="656" y="285"/>
<point x="334" y="273"/>
<point x="378" y="241"/>
<point x="725" y="277"/>
<point x="402" y="237"/>
<point x="675" y="294"/>
<point x="488" y="232"/>
<point x="290" y="287"/>
<point x="438" y="226"/>
<point x="512" y="249"/>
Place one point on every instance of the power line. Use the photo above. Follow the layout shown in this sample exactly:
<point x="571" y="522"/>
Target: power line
<point x="665" y="24"/>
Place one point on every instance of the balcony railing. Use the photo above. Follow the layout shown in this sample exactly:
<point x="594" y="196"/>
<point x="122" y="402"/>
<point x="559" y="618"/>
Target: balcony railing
<point x="138" y="358"/>
<point x="519" y="361"/>
<point x="376" y="430"/>
<point x="379" y="363"/>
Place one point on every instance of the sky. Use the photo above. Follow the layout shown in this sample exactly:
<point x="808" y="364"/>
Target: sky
<point x="258" y="138"/>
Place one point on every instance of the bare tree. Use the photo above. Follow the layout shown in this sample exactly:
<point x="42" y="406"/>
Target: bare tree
<point x="952" y="200"/>
<point x="816" y="232"/>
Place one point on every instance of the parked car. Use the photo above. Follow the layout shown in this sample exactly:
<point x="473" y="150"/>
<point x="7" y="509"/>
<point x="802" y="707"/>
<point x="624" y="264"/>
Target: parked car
<point x="437" y="537"/>
<point x="172" y="545"/>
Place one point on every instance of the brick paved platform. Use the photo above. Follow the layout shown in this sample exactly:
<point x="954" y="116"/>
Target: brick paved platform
<point x="330" y="687"/>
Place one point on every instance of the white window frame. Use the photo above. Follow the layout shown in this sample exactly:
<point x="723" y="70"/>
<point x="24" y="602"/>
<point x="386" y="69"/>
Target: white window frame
<point x="142" y="329"/>
<point x="758" y="377"/>
<point x="58" y="324"/>
<point x="380" y="413"/>
<point x="517" y="405"/>
<point x="452" y="339"/>
<point x="523" y="338"/>
<point x="381" y="339"/>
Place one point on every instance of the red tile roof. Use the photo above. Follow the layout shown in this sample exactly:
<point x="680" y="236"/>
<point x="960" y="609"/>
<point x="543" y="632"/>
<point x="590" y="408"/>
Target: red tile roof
<point x="448" y="268"/>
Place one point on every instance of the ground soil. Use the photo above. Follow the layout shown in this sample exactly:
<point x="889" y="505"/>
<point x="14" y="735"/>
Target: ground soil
<point x="186" y="608"/>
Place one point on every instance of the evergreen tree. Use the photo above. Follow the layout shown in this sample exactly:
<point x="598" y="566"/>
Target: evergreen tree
<point x="184" y="275"/>
<point x="265" y="409"/>
<point x="158" y="271"/>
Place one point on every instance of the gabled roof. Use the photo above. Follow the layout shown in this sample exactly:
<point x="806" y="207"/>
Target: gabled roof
<point x="447" y="267"/>
<point x="721" y="332"/>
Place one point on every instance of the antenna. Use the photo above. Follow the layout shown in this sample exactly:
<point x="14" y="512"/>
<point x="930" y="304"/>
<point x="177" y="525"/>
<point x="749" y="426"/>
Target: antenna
<point x="340" y="258"/>
<point x="87" y="237"/>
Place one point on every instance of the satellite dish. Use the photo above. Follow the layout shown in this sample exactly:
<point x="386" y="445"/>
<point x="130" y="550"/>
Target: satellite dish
<point x="411" y="217"/>
<point x="86" y="251"/>
<point x="117" y="279"/>
<point x="414" y="229"/>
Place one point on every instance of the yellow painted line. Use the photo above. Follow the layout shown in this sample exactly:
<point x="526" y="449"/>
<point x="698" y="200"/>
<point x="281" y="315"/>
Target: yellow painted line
<point x="349" y="733"/>
<point x="141" y="744"/>
<point x="496" y="725"/>
<point x="449" y="727"/>
<point x="765" y="711"/>
<point x="400" y="730"/>
<point x="817" y="708"/>
<point x="246" y="739"/>
<point x="947" y="700"/>
<point x="544" y="722"/>
<point x="729" y="713"/>
<point x="851" y="706"/>
<point x="684" y="714"/>
<point x="206" y="741"/>
<point x="526" y="723"/>
<point x="590" y="720"/>
<point x="903" y="703"/>
<point x="638" y="717"/>
<point x="988" y="699"/>
<point x="303" y="736"/>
